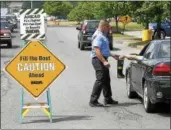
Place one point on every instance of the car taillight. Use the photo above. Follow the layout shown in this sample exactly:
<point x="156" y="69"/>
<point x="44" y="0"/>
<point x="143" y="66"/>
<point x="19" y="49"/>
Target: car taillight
<point x="162" y="69"/>
<point x="84" y="29"/>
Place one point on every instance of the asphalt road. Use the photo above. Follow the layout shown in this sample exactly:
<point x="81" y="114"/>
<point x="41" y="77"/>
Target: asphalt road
<point x="70" y="93"/>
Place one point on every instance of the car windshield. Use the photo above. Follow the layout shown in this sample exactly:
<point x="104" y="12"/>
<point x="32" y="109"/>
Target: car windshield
<point x="4" y="25"/>
<point x="92" y="24"/>
<point x="164" y="51"/>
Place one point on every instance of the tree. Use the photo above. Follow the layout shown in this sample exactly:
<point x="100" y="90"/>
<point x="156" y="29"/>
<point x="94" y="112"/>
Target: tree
<point x="84" y="10"/>
<point x="151" y="11"/>
<point x="57" y="8"/>
<point x="111" y="9"/>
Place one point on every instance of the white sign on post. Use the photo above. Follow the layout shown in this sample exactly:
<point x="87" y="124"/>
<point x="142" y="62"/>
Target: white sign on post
<point x="32" y="25"/>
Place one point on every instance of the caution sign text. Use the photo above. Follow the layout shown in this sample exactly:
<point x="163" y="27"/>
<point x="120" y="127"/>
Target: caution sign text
<point x="35" y="68"/>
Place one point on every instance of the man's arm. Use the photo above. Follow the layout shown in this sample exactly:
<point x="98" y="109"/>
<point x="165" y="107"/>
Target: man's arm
<point x="116" y="57"/>
<point x="100" y="56"/>
<point x="130" y="57"/>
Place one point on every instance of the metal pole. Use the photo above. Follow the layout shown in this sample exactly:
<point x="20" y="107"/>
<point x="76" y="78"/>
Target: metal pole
<point x="31" y="4"/>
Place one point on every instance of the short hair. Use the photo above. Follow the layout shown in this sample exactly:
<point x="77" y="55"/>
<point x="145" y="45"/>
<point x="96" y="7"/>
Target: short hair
<point x="103" y="23"/>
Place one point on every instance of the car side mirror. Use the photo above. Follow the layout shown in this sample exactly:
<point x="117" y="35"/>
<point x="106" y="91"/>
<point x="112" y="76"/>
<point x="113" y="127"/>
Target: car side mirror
<point x="78" y="28"/>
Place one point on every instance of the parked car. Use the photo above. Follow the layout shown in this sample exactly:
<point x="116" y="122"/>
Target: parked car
<point x="86" y="30"/>
<point x="12" y="19"/>
<point x="165" y="29"/>
<point x="10" y="25"/>
<point x="150" y="77"/>
<point x="5" y="34"/>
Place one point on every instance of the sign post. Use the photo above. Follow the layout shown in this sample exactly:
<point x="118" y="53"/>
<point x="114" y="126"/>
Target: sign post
<point x="125" y="20"/>
<point x="34" y="67"/>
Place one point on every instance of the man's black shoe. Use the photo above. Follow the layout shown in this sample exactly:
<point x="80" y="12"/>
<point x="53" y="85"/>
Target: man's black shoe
<point x="110" y="102"/>
<point x="95" y="104"/>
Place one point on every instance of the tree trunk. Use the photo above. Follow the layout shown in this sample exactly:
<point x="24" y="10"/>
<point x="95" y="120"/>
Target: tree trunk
<point x="116" y="19"/>
<point x="158" y="27"/>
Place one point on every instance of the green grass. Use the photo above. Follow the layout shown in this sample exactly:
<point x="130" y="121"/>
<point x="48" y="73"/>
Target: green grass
<point x="119" y="35"/>
<point x="129" y="27"/>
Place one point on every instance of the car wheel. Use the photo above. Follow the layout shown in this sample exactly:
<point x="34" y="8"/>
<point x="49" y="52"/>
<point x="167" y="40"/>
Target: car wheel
<point x="162" y="35"/>
<point x="9" y="44"/>
<point x="81" y="46"/>
<point x="130" y="92"/>
<point x="149" y="107"/>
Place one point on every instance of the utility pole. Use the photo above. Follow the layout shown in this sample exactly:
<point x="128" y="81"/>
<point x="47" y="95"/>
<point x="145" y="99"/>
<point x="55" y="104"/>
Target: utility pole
<point x="31" y="4"/>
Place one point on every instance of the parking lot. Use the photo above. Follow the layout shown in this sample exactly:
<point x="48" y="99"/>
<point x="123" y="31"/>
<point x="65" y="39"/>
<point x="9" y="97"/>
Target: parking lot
<point x="70" y="93"/>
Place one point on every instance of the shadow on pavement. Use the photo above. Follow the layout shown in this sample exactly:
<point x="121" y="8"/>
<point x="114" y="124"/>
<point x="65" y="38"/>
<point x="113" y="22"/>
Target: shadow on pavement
<point x="59" y="119"/>
<point x="125" y="104"/>
<point x="162" y="109"/>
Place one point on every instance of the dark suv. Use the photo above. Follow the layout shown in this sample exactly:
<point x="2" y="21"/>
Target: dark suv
<point x="86" y="30"/>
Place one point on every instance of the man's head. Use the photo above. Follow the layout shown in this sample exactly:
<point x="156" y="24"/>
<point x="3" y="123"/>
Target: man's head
<point x="104" y="26"/>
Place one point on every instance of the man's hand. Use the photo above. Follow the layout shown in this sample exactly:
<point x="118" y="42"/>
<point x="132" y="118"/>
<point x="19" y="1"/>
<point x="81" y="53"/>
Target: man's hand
<point x="106" y="64"/>
<point x="122" y="57"/>
<point x="116" y="57"/>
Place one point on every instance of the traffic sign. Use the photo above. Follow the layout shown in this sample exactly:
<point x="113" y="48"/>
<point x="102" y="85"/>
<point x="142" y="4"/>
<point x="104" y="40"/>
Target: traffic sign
<point x="35" y="68"/>
<point x="125" y="19"/>
<point x="32" y="25"/>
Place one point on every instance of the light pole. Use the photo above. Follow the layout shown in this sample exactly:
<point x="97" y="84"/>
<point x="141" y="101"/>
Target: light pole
<point x="31" y="4"/>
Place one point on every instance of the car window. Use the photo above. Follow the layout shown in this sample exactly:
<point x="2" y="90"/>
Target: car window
<point x="150" y="51"/>
<point x="144" y="49"/>
<point x="4" y="25"/>
<point x="92" y="24"/>
<point x="164" y="51"/>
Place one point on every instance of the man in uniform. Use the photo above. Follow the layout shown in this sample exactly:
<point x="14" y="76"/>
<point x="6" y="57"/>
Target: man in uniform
<point x="100" y="54"/>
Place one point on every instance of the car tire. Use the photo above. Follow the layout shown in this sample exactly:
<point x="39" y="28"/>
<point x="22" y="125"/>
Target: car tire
<point x="81" y="46"/>
<point x="9" y="44"/>
<point x="163" y="35"/>
<point x="148" y="106"/>
<point x="130" y="92"/>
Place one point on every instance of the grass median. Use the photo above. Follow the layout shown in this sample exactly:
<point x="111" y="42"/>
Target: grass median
<point x="133" y="26"/>
<point x="123" y="36"/>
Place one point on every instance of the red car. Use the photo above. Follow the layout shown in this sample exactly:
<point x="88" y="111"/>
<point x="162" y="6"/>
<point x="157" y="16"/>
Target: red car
<point x="5" y="34"/>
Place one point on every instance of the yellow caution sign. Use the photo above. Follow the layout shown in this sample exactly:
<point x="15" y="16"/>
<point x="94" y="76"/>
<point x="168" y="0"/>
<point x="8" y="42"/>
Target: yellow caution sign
<point x="125" y="19"/>
<point x="35" y="68"/>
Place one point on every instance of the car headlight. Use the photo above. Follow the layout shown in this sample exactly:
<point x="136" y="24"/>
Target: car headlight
<point x="6" y="34"/>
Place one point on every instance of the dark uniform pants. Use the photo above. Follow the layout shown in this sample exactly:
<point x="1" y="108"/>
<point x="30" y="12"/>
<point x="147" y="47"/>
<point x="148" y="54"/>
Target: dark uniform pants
<point x="102" y="81"/>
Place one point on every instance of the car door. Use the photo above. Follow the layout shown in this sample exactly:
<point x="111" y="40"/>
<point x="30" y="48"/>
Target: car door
<point x="144" y="65"/>
<point x="135" y="72"/>
<point x="168" y="29"/>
